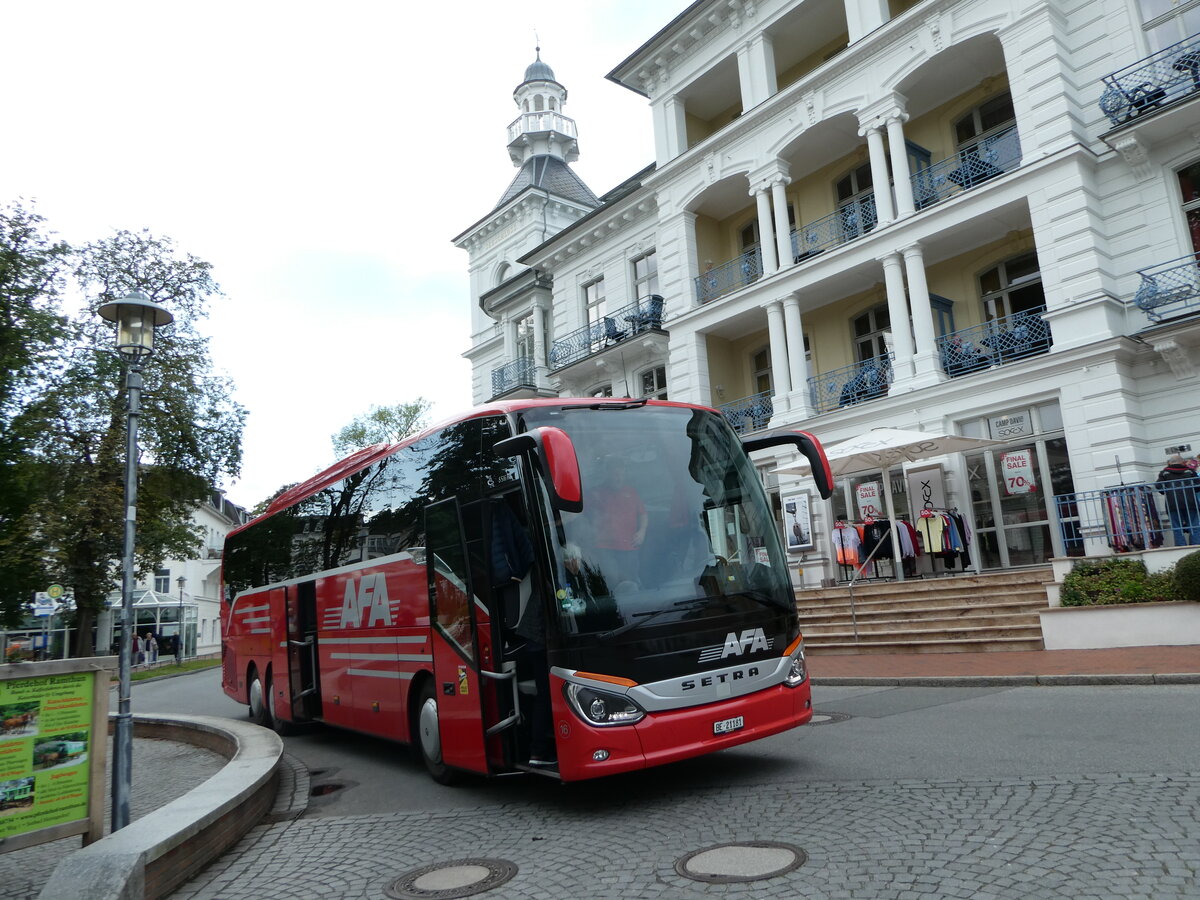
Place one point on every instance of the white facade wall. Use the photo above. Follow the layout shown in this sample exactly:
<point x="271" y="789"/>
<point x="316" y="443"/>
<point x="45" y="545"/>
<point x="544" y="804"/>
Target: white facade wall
<point x="1097" y="203"/>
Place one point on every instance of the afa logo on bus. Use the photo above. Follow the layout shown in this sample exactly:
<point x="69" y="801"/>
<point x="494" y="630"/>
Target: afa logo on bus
<point x="366" y="595"/>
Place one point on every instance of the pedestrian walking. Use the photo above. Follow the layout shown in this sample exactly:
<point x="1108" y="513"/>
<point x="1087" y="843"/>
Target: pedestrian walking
<point x="151" y="643"/>
<point x="1180" y="487"/>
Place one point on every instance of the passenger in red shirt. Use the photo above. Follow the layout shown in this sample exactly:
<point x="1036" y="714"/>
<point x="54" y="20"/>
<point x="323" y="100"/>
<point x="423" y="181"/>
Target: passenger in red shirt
<point x="620" y="514"/>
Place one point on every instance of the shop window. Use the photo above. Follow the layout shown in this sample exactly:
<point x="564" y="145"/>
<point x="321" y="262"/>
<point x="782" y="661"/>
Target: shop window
<point x="1189" y="187"/>
<point x="1168" y="22"/>
<point x="871" y="331"/>
<point x="1014" y="286"/>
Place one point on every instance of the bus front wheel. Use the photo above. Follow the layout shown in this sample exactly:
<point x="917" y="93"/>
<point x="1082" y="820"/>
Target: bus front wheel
<point x="429" y="738"/>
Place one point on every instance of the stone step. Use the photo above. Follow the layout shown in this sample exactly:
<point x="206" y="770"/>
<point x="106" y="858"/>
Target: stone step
<point x="971" y="645"/>
<point x="977" y="601"/>
<point x="1001" y="621"/>
<point x="951" y="632"/>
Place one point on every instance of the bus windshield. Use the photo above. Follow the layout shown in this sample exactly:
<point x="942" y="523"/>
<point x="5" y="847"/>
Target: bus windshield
<point x="674" y="525"/>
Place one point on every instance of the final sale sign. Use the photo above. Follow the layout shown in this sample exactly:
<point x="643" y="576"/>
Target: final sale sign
<point x="1016" y="470"/>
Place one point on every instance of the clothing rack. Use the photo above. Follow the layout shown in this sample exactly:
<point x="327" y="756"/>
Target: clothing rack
<point x="859" y="546"/>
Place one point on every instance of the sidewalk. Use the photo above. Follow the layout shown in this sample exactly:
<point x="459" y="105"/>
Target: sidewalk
<point x="1136" y="665"/>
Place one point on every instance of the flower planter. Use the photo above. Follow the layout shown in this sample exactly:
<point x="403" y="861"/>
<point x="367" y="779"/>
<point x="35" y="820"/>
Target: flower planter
<point x="1128" y="625"/>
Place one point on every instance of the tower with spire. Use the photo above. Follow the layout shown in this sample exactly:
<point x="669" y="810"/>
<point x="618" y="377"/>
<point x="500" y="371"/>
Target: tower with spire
<point x="511" y="302"/>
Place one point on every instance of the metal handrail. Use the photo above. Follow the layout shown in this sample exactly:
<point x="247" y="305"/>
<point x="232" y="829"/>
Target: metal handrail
<point x="521" y="372"/>
<point x="996" y="343"/>
<point x="1169" y="289"/>
<point x="988" y="157"/>
<point x="847" y="223"/>
<point x="864" y="380"/>
<point x="641" y="315"/>
<point x="728" y="277"/>
<point x="749" y="413"/>
<point x="1155" y="81"/>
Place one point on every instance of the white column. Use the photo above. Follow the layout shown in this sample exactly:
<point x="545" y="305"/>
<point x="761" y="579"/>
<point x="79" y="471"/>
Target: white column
<point x="510" y="338"/>
<point x="900" y="173"/>
<point x="539" y="341"/>
<point x="783" y="236"/>
<point x="925" y="361"/>
<point x="794" y="328"/>
<point x="670" y="129"/>
<point x="879" y="173"/>
<point x="766" y="232"/>
<point x="756" y="71"/>
<point x="893" y="279"/>
<point x="781" y="377"/>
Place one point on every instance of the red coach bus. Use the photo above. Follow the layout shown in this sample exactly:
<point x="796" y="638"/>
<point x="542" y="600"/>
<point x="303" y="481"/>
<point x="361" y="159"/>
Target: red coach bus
<point x="573" y="587"/>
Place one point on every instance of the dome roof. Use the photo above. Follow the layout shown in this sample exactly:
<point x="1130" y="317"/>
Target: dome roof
<point x="539" y="71"/>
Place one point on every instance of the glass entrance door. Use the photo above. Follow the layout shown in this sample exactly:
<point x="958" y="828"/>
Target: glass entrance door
<point x="1011" y="491"/>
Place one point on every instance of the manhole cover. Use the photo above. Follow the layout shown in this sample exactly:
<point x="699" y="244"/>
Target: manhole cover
<point x="745" y="861"/>
<point x="827" y="718"/>
<point x="320" y="790"/>
<point x="457" y="878"/>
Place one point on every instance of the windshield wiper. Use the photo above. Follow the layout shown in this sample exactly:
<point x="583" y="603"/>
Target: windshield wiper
<point x="643" y="617"/>
<point x="628" y="404"/>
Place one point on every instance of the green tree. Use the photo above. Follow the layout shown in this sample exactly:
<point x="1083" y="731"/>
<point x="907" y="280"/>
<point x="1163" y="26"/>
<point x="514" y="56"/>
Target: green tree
<point x="190" y="427"/>
<point x="32" y="332"/>
<point x="382" y="424"/>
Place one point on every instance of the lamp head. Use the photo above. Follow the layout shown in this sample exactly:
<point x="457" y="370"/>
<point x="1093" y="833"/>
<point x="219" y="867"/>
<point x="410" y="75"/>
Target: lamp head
<point x="136" y="317"/>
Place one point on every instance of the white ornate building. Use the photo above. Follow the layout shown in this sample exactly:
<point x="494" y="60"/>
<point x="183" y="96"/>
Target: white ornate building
<point x="959" y="216"/>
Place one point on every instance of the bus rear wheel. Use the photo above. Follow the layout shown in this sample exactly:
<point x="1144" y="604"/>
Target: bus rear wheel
<point x="429" y="738"/>
<point x="259" y="714"/>
<point x="282" y="727"/>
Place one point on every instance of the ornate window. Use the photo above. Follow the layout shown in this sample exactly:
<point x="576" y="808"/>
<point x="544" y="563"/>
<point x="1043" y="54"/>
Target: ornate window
<point x="1167" y="22"/>
<point x="1012" y="287"/>
<point x="1189" y="187"/>
<point x="645" y="276"/>
<point x="654" y="383"/>
<point x="594" y="301"/>
<point x="871" y="331"/>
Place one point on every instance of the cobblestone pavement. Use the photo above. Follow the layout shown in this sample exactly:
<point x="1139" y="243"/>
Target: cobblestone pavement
<point x="172" y="768"/>
<point x="1051" y="837"/>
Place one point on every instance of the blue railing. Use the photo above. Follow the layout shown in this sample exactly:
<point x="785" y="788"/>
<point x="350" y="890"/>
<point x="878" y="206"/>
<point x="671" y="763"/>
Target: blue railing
<point x="1170" y="289"/>
<point x="750" y="413"/>
<point x="988" y="157"/>
<point x="996" y="343"/>
<point x="639" y="316"/>
<point x="848" y="385"/>
<point x="724" y="279"/>
<point x="1129" y="517"/>
<point x="846" y="223"/>
<point x="521" y="372"/>
<point x="1171" y="74"/>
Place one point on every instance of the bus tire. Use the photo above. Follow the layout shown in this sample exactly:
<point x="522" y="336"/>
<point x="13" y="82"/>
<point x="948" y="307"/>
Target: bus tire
<point x="282" y="727"/>
<point x="428" y="737"/>
<point x="259" y="714"/>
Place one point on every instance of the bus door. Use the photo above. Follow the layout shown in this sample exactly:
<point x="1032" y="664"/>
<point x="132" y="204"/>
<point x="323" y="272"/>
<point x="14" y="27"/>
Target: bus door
<point x="302" y="652"/>
<point x="458" y="667"/>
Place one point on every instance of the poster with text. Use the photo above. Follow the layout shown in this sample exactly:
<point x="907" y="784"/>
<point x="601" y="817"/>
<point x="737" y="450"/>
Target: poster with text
<point x="45" y="743"/>
<point x="797" y="522"/>
<point x="1016" y="469"/>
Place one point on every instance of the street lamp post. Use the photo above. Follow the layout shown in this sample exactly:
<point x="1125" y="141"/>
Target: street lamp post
<point x="181" y="581"/>
<point x="136" y="317"/>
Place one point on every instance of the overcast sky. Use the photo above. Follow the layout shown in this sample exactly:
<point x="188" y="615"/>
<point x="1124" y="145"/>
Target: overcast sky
<point x="321" y="156"/>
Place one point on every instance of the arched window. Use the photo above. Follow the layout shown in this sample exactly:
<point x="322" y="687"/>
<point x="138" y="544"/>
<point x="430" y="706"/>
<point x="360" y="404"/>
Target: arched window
<point x="1014" y="286"/>
<point x="537" y="103"/>
<point x="502" y="273"/>
<point x="601" y="390"/>
<point x="553" y="104"/>
<point x="871" y="330"/>
<point x="654" y="383"/>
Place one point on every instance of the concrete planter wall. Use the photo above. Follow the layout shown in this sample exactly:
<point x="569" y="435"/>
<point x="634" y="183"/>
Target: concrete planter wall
<point x="1131" y="625"/>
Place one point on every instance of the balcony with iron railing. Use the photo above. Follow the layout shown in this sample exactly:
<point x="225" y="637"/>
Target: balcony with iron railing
<point x="727" y="278"/>
<point x="990" y="156"/>
<point x="530" y="122"/>
<point x="846" y="223"/>
<point x="1171" y="289"/>
<point x="864" y="380"/>
<point x="750" y="413"/>
<point x="520" y="373"/>
<point x="999" y="342"/>
<point x="1159" y="80"/>
<point x="636" y="318"/>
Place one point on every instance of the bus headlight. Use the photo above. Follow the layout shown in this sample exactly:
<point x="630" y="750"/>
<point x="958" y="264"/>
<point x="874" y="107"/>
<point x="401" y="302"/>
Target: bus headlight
<point x="602" y="708"/>
<point x="797" y="672"/>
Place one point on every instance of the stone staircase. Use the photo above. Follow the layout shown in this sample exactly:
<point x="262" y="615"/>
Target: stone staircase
<point x="996" y="611"/>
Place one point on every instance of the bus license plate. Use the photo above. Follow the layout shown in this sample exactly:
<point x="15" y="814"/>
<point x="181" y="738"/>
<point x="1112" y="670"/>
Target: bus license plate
<point x="727" y="725"/>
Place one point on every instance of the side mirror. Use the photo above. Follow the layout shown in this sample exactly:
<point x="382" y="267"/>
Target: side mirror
<point x="806" y="444"/>
<point x="555" y="453"/>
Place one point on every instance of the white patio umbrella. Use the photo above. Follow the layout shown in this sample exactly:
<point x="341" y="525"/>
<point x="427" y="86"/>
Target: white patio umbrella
<point x="881" y="448"/>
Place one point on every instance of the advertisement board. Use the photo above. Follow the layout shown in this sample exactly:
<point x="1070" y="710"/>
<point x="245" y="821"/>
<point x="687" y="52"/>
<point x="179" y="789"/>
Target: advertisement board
<point x="53" y="741"/>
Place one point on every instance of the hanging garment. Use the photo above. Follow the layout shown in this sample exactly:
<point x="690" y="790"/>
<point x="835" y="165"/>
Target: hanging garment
<point x="878" y="534"/>
<point x="932" y="530"/>
<point x="847" y="544"/>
